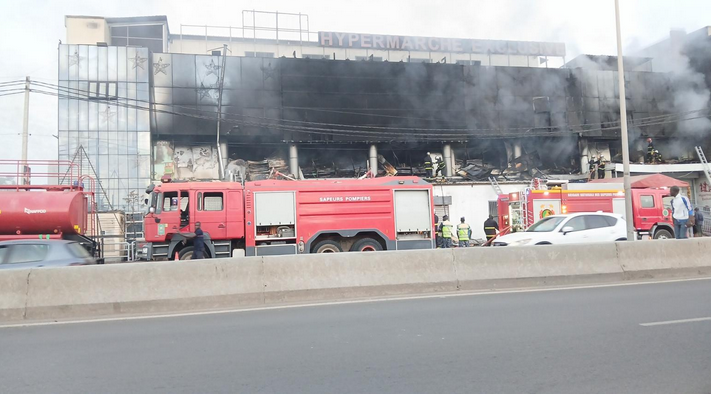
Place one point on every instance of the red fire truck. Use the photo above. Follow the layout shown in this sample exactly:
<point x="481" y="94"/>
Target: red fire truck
<point x="650" y="203"/>
<point x="278" y="217"/>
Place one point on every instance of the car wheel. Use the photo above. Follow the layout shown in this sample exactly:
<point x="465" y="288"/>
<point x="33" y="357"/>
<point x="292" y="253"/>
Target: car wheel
<point x="662" y="234"/>
<point x="366" y="245"/>
<point x="327" y="246"/>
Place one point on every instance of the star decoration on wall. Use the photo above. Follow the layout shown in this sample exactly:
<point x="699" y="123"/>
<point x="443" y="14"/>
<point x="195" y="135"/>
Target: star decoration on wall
<point x="207" y="92"/>
<point x="75" y="59"/>
<point x="138" y="61"/>
<point x="269" y="71"/>
<point x="107" y="114"/>
<point x="160" y="67"/>
<point x="212" y="68"/>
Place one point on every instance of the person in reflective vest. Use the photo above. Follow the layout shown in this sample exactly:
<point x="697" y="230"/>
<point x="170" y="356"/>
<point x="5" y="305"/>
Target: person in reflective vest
<point x="464" y="233"/>
<point x="490" y="228"/>
<point x="428" y="165"/>
<point x="447" y="232"/>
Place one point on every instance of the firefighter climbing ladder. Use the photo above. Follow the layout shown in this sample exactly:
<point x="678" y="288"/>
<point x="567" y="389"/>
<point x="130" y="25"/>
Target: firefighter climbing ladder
<point x="704" y="163"/>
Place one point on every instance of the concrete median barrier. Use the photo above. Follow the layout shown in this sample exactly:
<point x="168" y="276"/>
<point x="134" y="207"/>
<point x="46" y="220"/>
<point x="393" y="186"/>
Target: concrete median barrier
<point x="348" y="275"/>
<point x="161" y="287"/>
<point x="483" y="267"/>
<point x="143" y="288"/>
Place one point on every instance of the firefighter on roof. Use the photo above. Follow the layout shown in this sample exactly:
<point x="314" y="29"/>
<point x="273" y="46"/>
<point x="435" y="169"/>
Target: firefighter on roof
<point x="428" y="165"/>
<point x="440" y="166"/>
<point x="653" y="156"/>
<point x="600" y="167"/>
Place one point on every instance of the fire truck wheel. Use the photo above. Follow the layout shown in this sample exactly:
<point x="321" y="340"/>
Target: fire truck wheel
<point x="327" y="246"/>
<point x="186" y="253"/>
<point x="662" y="234"/>
<point x="366" y="245"/>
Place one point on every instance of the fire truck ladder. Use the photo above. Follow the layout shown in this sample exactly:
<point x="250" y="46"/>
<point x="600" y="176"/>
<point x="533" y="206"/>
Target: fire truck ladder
<point x="704" y="163"/>
<point x="496" y="185"/>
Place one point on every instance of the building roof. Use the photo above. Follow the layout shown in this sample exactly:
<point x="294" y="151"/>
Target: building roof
<point x="128" y="20"/>
<point x="607" y="63"/>
<point x="647" y="181"/>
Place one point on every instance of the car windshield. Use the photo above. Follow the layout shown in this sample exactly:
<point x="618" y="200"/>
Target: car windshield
<point x="78" y="250"/>
<point x="546" y="225"/>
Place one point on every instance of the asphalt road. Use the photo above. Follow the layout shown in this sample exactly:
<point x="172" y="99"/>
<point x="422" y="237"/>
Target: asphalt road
<point x="577" y="340"/>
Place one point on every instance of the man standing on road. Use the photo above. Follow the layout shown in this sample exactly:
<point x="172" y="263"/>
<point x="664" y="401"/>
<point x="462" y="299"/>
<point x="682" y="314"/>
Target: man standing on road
<point x="464" y="233"/>
<point x="699" y="224"/>
<point x="198" y="243"/>
<point x="682" y="213"/>
<point x="490" y="228"/>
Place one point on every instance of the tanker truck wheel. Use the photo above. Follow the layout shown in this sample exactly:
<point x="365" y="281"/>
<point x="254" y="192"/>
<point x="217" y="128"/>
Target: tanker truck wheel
<point x="366" y="245"/>
<point x="327" y="246"/>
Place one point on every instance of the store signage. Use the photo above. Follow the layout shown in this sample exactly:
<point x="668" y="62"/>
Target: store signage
<point x="445" y="45"/>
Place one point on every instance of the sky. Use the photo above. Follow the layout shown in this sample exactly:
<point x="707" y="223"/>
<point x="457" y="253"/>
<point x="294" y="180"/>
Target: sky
<point x="31" y="30"/>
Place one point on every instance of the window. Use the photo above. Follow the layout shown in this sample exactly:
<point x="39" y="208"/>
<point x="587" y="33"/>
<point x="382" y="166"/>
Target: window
<point x="150" y="36"/>
<point x="172" y="203"/>
<point x="596" y="221"/>
<point x="610" y="220"/>
<point x="494" y="209"/>
<point x="3" y="253"/>
<point x="21" y="253"/>
<point x="546" y="225"/>
<point x="577" y="223"/>
<point x="647" y="201"/>
<point x="102" y="90"/>
<point x="210" y="202"/>
<point x="476" y="63"/>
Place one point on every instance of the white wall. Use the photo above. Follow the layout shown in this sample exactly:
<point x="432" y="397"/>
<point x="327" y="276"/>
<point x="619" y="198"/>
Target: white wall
<point x="87" y="30"/>
<point x="471" y="201"/>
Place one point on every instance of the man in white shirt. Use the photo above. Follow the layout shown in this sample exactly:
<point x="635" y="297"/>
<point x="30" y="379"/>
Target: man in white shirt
<point x="681" y="211"/>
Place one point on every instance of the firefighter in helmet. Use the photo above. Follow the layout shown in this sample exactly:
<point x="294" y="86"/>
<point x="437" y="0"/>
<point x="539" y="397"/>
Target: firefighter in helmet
<point x="490" y="228"/>
<point x="600" y="167"/>
<point x="592" y="167"/>
<point x="447" y="232"/>
<point x="428" y="165"/>
<point x="440" y="166"/>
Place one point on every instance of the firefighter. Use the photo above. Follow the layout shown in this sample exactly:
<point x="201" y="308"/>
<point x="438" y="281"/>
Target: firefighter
<point x="428" y="165"/>
<point x="440" y="166"/>
<point x="490" y="228"/>
<point x="650" y="156"/>
<point x="592" y="166"/>
<point x="438" y="233"/>
<point x="600" y="167"/>
<point x="446" y="228"/>
<point x="464" y="233"/>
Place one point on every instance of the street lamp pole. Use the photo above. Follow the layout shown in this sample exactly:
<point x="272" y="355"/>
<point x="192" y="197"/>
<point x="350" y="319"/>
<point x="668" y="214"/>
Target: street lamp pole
<point x="631" y="233"/>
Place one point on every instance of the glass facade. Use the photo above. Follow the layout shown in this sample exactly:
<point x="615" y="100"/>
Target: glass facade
<point x="104" y="109"/>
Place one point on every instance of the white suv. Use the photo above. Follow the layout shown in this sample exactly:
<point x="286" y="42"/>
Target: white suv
<point x="588" y="227"/>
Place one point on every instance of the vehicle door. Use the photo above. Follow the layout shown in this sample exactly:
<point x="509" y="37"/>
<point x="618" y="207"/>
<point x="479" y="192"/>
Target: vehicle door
<point x="173" y="213"/>
<point x="601" y="228"/>
<point x="578" y="234"/>
<point x="647" y="210"/>
<point x="210" y="212"/>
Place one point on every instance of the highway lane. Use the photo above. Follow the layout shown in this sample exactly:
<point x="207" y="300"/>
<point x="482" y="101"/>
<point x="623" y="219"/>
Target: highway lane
<point x="575" y="340"/>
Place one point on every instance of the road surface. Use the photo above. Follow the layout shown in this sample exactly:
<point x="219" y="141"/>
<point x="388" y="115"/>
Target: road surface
<point x="577" y="340"/>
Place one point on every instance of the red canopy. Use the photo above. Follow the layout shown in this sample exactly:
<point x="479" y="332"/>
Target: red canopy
<point x="656" y="180"/>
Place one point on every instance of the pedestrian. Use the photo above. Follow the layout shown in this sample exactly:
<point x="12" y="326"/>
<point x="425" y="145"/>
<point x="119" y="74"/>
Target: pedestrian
<point x="699" y="223"/>
<point x="464" y="233"/>
<point x="682" y="213"/>
<point x="198" y="243"/>
<point x="447" y="232"/>
<point x="490" y="228"/>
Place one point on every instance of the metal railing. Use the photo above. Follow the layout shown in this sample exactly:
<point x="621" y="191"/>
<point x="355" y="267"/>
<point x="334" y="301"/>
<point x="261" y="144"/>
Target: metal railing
<point x="116" y="252"/>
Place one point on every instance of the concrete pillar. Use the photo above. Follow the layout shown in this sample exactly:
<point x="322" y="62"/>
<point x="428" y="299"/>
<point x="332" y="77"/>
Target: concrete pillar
<point x="225" y="158"/>
<point x="584" y="156"/>
<point x="373" y="159"/>
<point x="517" y="149"/>
<point x="448" y="162"/>
<point x="294" y="161"/>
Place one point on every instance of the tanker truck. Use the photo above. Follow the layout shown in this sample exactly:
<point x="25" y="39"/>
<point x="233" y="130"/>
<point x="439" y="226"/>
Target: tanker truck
<point x="49" y="212"/>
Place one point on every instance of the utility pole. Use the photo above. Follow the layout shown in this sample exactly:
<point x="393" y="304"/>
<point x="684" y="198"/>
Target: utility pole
<point x="25" y="133"/>
<point x="631" y="233"/>
<point x="219" y="111"/>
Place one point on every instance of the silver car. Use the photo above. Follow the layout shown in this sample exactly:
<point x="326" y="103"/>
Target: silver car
<point x="43" y="253"/>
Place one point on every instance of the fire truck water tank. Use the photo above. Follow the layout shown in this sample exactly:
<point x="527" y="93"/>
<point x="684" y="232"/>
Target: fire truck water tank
<point x="42" y="212"/>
